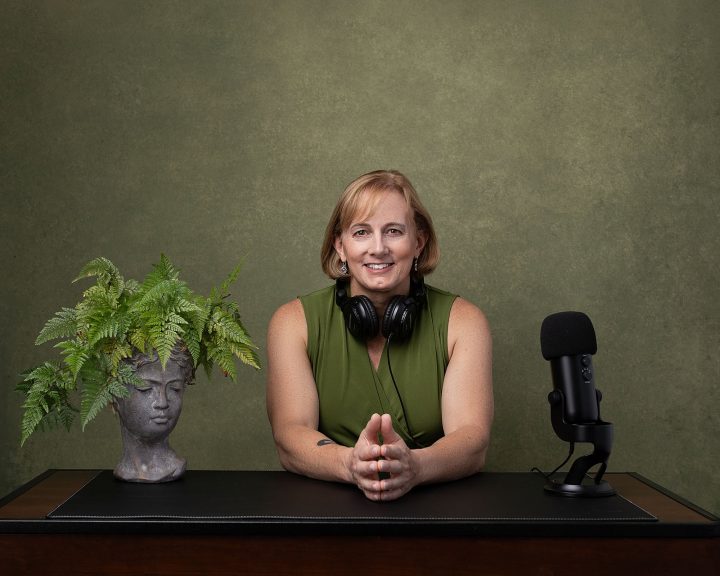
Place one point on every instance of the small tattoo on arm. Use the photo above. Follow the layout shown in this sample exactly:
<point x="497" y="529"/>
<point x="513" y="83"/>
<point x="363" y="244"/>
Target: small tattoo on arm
<point x="325" y="442"/>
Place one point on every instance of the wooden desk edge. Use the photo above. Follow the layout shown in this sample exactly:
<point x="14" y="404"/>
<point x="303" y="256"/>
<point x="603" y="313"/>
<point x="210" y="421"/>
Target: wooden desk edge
<point x="44" y="493"/>
<point x="658" y="501"/>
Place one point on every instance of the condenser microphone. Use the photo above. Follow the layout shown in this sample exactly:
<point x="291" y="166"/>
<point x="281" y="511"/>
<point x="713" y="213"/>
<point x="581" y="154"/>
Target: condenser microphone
<point x="568" y="341"/>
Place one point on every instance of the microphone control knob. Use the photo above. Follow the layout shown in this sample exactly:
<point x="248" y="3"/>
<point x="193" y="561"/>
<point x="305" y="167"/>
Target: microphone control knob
<point x="554" y="398"/>
<point x="585" y="359"/>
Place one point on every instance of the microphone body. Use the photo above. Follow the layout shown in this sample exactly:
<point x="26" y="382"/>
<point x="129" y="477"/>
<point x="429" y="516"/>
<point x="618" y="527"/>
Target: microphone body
<point x="568" y="342"/>
<point x="573" y="376"/>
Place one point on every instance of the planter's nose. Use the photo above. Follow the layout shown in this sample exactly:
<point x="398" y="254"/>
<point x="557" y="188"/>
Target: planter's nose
<point x="160" y="401"/>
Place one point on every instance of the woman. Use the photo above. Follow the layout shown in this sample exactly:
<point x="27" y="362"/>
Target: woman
<point x="387" y="391"/>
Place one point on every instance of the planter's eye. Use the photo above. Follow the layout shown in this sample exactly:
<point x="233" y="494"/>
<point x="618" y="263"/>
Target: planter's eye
<point x="143" y="388"/>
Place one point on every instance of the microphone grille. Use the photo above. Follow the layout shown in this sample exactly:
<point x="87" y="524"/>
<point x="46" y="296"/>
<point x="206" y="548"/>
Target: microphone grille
<point x="567" y="334"/>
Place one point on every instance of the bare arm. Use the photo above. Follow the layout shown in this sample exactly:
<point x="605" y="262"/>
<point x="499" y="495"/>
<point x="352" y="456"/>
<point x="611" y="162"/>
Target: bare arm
<point x="293" y="409"/>
<point x="292" y="400"/>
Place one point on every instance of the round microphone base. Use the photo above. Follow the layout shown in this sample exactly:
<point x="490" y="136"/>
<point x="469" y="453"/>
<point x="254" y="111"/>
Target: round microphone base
<point x="599" y="490"/>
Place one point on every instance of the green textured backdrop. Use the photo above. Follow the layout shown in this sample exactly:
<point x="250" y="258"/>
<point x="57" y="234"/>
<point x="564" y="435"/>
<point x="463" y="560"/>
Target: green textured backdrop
<point x="568" y="150"/>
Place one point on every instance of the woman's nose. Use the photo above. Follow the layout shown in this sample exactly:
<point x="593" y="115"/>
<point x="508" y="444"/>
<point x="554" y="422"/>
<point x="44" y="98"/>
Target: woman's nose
<point x="378" y="244"/>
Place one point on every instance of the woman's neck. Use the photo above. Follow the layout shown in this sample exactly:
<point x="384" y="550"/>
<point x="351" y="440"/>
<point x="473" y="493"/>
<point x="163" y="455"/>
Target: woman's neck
<point x="380" y="299"/>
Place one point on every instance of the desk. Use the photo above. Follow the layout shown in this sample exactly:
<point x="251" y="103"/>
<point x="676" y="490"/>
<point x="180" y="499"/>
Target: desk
<point x="684" y="539"/>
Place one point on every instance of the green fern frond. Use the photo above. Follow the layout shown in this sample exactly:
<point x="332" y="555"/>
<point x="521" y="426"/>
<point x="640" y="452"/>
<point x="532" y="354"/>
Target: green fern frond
<point x="94" y="398"/>
<point x="165" y="268"/>
<point x="46" y="372"/>
<point x="46" y="391"/>
<point x="222" y="325"/>
<point x="184" y="306"/>
<point x="138" y="339"/>
<point x="76" y="354"/>
<point x="176" y="319"/>
<point x="108" y="326"/>
<point x="126" y="375"/>
<point x="200" y="318"/>
<point x="163" y="271"/>
<point x="31" y="419"/>
<point x="98" y="394"/>
<point x="66" y="415"/>
<point x="117" y="353"/>
<point x="246" y="354"/>
<point x="223" y="357"/>
<point x="192" y="340"/>
<point x="161" y="293"/>
<point x="229" y="329"/>
<point x="101" y="267"/>
<point x="232" y="308"/>
<point x="223" y="291"/>
<point x="95" y="299"/>
<point x="163" y="338"/>
<point x="62" y="325"/>
<point x="131" y="287"/>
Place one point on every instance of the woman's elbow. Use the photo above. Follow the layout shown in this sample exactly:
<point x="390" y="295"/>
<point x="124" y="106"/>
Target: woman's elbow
<point x="480" y="457"/>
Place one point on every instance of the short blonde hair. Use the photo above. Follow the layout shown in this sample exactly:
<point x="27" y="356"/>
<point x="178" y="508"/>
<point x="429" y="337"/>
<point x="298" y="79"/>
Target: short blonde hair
<point x="359" y="200"/>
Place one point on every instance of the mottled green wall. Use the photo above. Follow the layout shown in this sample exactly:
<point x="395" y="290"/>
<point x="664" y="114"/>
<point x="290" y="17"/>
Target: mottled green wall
<point x="569" y="151"/>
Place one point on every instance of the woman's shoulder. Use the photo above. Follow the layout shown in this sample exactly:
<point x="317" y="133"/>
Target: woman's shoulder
<point x="288" y="317"/>
<point x="438" y="300"/>
<point x="464" y="309"/>
<point x="468" y="321"/>
<point x="318" y="296"/>
<point x="459" y="306"/>
<point x="435" y="292"/>
<point x="296" y="313"/>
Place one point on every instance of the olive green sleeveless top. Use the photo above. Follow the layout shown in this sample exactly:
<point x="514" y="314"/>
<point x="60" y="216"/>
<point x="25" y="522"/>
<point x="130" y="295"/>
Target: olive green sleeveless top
<point x="349" y="388"/>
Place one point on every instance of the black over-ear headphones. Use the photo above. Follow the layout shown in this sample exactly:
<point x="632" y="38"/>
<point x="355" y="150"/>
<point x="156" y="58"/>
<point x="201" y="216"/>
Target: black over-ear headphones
<point x="362" y="320"/>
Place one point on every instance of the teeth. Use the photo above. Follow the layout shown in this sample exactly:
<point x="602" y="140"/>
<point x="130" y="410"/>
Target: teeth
<point x="377" y="266"/>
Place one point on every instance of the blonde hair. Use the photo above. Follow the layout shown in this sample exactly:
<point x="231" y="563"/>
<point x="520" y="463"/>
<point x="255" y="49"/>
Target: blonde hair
<point x="359" y="200"/>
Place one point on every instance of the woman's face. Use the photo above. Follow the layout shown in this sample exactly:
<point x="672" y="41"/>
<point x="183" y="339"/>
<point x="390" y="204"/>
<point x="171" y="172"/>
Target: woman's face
<point x="380" y="249"/>
<point x="152" y="410"/>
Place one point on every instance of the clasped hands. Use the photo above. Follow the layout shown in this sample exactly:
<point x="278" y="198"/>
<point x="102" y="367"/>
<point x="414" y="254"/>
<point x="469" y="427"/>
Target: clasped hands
<point x="382" y="471"/>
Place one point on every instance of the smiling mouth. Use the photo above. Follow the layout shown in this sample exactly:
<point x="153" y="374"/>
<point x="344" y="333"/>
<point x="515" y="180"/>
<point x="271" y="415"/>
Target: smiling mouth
<point x="381" y="266"/>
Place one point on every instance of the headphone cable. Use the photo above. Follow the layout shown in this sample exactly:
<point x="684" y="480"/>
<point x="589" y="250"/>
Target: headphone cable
<point x="549" y="475"/>
<point x="397" y="391"/>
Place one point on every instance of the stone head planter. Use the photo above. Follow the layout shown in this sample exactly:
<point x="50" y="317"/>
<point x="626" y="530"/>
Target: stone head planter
<point x="101" y="364"/>
<point x="148" y="416"/>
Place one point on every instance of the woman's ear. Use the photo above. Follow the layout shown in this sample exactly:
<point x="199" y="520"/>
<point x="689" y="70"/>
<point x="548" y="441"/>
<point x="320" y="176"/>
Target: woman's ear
<point x="339" y="248"/>
<point x="421" y="241"/>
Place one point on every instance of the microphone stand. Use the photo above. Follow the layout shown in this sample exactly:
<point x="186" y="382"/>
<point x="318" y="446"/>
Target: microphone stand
<point x="599" y="434"/>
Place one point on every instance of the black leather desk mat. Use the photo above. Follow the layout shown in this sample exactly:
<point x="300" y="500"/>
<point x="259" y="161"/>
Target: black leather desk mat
<point x="281" y="496"/>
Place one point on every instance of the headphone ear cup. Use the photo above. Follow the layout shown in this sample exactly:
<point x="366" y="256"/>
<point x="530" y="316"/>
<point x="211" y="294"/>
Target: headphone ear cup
<point x="399" y="318"/>
<point x="361" y="318"/>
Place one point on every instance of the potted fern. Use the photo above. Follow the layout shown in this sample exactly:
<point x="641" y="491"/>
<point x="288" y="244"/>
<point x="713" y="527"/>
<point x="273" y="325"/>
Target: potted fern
<point x="134" y="346"/>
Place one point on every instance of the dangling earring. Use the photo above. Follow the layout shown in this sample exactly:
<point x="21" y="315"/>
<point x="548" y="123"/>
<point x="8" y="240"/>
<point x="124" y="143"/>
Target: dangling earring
<point x="343" y="268"/>
<point x="415" y="264"/>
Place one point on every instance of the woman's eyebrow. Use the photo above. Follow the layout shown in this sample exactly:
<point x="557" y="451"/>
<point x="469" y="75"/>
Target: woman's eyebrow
<point x="386" y="225"/>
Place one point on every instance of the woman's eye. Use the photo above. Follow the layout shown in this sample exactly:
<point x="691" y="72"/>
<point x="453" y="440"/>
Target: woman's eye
<point x="360" y="233"/>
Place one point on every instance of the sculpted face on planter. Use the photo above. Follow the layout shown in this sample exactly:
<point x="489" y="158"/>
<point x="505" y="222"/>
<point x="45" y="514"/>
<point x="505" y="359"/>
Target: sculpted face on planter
<point x="149" y="415"/>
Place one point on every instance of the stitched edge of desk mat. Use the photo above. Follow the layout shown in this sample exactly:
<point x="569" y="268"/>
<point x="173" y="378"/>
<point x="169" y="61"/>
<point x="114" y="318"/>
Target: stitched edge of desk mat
<point x="281" y="496"/>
